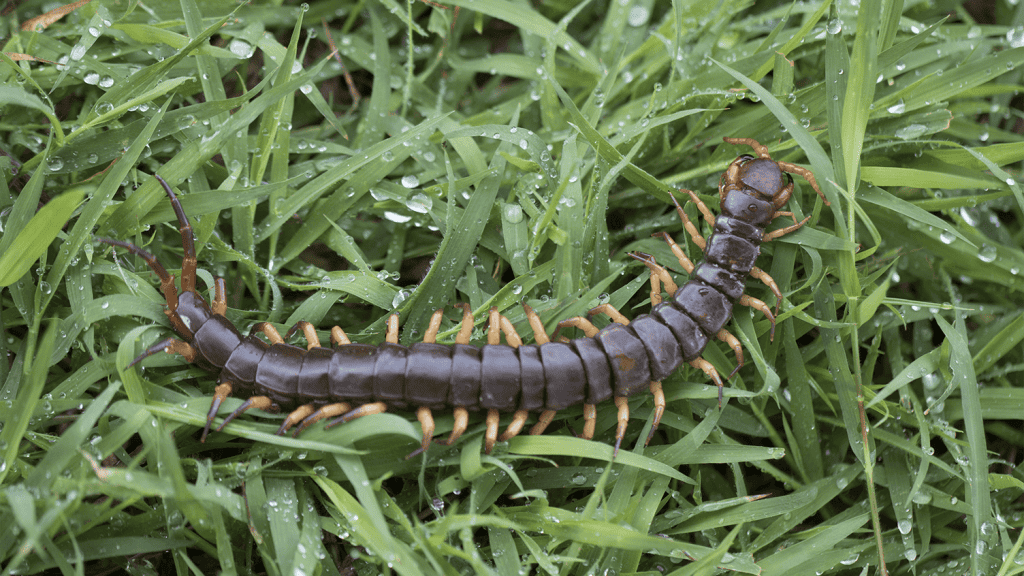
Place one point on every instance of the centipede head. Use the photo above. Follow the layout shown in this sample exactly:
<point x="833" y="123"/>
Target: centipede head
<point x="762" y="176"/>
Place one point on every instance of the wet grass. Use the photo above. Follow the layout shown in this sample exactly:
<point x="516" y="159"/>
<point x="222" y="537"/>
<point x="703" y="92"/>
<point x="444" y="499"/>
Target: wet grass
<point x="340" y="162"/>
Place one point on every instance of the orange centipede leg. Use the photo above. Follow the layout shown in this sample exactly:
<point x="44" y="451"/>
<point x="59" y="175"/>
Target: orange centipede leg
<point x="426" y="419"/>
<point x="327" y="411"/>
<point x="659" y="409"/>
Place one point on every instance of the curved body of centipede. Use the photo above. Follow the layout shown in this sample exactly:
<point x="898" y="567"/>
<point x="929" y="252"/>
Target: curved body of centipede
<point x="350" y="380"/>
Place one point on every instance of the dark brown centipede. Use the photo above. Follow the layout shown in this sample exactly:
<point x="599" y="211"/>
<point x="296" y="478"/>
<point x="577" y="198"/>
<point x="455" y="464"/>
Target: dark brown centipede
<point x="351" y="380"/>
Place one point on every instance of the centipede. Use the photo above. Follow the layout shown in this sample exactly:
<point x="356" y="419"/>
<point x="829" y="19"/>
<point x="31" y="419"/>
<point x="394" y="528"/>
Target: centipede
<point x="350" y="380"/>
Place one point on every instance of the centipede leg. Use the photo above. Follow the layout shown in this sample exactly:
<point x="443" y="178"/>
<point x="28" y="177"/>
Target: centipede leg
<point x="589" y="421"/>
<point x="610" y="311"/>
<point x="220" y="302"/>
<point x="426" y="418"/>
<point x="220" y="393"/>
<point x="491" y="432"/>
<point x="687" y="224"/>
<point x="461" y="415"/>
<point x="268" y="330"/>
<point x="261" y="402"/>
<point x="545" y="419"/>
<point x="170" y="346"/>
<point x="540" y="335"/>
<point x="364" y="410"/>
<point x="622" y="403"/>
<point x="392" y="333"/>
<point x="434" y="327"/>
<point x="684" y="260"/>
<point x="770" y="283"/>
<point x="308" y="330"/>
<point x="806" y="175"/>
<point x="659" y="276"/>
<point x="758" y="304"/>
<point x="783" y="231"/>
<point x="515" y="426"/>
<point x="296" y="416"/>
<point x="499" y="323"/>
<point x="709" y="216"/>
<point x="659" y="409"/>
<point x="725" y="336"/>
<point x="711" y="373"/>
<point x="327" y="411"/>
<point x="578" y="322"/>
<point x="338" y="337"/>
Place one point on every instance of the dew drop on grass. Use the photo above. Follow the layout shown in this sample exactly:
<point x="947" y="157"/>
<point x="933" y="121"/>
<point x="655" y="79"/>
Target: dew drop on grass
<point x="987" y="253"/>
<point x="911" y="131"/>
<point x="241" y="48"/>
<point x="638" y="16"/>
<point x="420" y="203"/>
<point x="513" y="213"/>
<point x="1015" y="37"/>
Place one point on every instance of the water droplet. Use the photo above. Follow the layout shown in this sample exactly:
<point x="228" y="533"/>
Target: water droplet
<point x="638" y="16"/>
<point x="512" y="213"/>
<point x="1015" y="37"/>
<point x="912" y="131"/>
<point x="420" y="203"/>
<point x="241" y="48"/>
<point x="410" y="181"/>
<point x="987" y="253"/>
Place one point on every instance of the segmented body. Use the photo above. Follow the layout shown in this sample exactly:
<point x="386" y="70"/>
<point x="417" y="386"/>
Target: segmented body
<point x="350" y="380"/>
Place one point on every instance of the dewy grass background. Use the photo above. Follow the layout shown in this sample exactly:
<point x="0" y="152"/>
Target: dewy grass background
<point x="502" y="152"/>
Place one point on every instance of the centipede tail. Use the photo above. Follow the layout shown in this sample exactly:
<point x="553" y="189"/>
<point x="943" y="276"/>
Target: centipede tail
<point x="347" y="380"/>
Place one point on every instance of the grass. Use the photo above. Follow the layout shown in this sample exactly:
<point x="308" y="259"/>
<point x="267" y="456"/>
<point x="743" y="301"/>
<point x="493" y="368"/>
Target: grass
<point x="496" y="153"/>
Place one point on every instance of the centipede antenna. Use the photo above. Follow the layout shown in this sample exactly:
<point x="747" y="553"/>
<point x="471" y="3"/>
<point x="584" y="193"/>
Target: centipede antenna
<point x="188" y="242"/>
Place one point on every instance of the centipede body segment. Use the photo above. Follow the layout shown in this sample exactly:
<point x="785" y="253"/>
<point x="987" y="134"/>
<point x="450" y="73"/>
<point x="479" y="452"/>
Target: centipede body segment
<point x="348" y="380"/>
